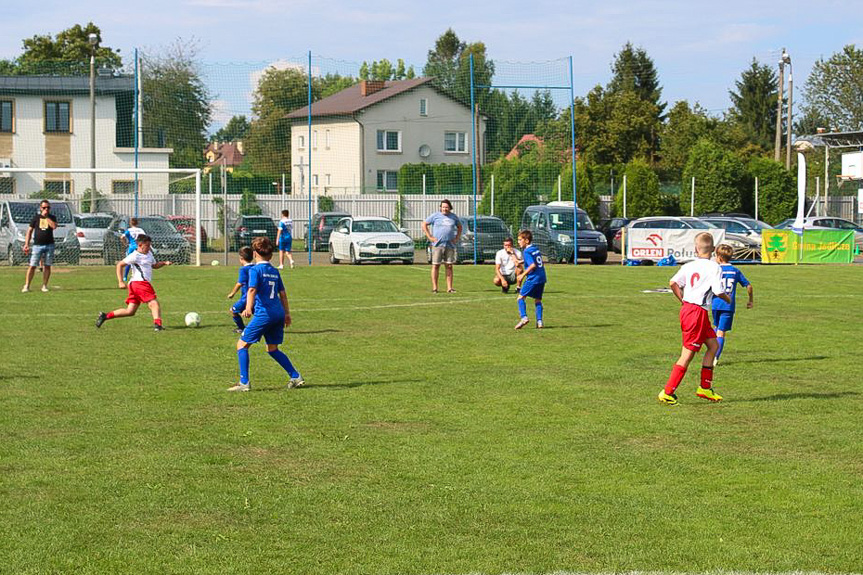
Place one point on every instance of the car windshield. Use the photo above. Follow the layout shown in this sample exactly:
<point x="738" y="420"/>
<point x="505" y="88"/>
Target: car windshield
<point x="257" y="222"/>
<point x="332" y="220"/>
<point x="757" y="224"/>
<point x="93" y="222"/>
<point x="156" y="227"/>
<point x="785" y="224"/>
<point x="562" y="221"/>
<point x="23" y="212"/>
<point x="485" y="226"/>
<point x="181" y="221"/>
<point x="373" y="226"/>
<point x="699" y="225"/>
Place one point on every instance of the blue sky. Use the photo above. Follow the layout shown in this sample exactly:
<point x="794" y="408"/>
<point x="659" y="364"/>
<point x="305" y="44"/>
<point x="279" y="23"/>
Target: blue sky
<point x="699" y="48"/>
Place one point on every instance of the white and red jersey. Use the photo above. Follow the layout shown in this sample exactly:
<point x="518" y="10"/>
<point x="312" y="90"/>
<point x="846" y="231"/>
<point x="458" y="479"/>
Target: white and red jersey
<point x="142" y="266"/>
<point x="700" y="280"/>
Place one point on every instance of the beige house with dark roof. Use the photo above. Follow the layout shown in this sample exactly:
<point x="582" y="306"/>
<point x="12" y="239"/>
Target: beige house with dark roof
<point x="361" y="136"/>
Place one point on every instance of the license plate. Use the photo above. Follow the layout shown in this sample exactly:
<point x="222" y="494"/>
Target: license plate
<point x="588" y="249"/>
<point x="259" y="231"/>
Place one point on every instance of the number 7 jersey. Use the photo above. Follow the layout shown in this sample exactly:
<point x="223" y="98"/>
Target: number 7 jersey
<point x="267" y="283"/>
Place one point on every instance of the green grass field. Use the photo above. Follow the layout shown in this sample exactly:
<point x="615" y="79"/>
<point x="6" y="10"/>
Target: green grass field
<point x="431" y="437"/>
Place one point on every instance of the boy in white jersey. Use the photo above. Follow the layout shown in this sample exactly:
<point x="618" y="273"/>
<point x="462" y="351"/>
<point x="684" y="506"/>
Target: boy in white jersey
<point x="695" y="285"/>
<point x="285" y="239"/>
<point x="141" y="291"/>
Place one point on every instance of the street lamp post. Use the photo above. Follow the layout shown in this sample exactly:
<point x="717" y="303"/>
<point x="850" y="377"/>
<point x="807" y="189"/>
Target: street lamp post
<point x="93" y="39"/>
<point x="787" y="59"/>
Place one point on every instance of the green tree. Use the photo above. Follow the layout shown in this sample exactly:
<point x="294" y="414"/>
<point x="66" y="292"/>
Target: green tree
<point x="720" y="179"/>
<point x="176" y="103"/>
<point x="67" y="53"/>
<point x="236" y="129"/>
<point x="684" y="126"/>
<point x="442" y="62"/>
<point x="832" y="92"/>
<point x="777" y="191"/>
<point x="249" y="204"/>
<point x="588" y="199"/>
<point x="643" y="197"/>
<point x="754" y="103"/>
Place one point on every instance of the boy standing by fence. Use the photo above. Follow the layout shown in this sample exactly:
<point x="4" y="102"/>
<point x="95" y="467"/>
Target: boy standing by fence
<point x="285" y="239"/>
<point x="694" y="285"/>
<point x="723" y="313"/>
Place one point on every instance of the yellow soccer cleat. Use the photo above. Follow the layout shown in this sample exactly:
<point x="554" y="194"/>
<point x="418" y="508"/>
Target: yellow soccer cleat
<point x="667" y="399"/>
<point x="708" y="394"/>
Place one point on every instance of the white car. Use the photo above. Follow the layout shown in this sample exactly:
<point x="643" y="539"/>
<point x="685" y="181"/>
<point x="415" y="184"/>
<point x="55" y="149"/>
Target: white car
<point x="370" y="239"/>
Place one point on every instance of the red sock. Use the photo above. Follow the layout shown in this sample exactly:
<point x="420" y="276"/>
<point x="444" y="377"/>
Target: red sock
<point x="158" y="321"/>
<point x="706" y="377"/>
<point x="110" y="315"/>
<point x="677" y="373"/>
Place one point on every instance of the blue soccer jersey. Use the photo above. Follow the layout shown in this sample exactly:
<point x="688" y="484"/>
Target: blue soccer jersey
<point x="268" y="284"/>
<point x="243" y="279"/>
<point x="532" y="256"/>
<point x="731" y="276"/>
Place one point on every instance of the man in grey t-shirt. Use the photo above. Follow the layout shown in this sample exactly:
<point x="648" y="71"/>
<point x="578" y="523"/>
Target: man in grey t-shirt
<point x="445" y="233"/>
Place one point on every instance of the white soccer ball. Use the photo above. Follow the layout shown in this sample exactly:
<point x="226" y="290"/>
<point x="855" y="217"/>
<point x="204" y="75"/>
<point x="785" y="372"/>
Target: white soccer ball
<point x="214" y="263"/>
<point x="193" y="319"/>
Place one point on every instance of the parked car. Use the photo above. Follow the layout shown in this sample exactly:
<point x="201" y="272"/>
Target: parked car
<point x="369" y="238"/>
<point x="15" y="216"/>
<point x="186" y="226"/>
<point x="745" y="247"/>
<point x="322" y="225"/>
<point x="552" y="226"/>
<point x="611" y="229"/>
<point x="489" y="233"/>
<point x="827" y="223"/>
<point x="246" y="228"/>
<point x="168" y="244"/>
<point x="744" y="226"/>
<point x="91" y="230"/>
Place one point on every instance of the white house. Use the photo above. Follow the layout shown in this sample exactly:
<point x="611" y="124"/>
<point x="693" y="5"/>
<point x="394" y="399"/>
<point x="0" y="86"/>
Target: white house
<point x="361" y="136"/>
<point x="45" y="123"/>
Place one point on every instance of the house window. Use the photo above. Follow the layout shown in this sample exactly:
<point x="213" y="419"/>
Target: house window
<point x="455" y="142"/>
<point x="301" y="142"/>
<point x="7" y="185"/>
<point x="327" y="139"/>
<point x="389" y="141"/>
<point x="315" y="140"/>
<point x="328" y="180"/>
<point x="6" y="116"/>
<point x="124" y="187"/>
<point x="424" y="107"/>
<point x="388" y="180"/>
<point x="57" y="187"/>
<point x="314" y="180"/>
<point x="57" y="117"/>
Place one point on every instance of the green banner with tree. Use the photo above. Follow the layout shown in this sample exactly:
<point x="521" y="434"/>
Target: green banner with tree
<point x="814" y="247"/>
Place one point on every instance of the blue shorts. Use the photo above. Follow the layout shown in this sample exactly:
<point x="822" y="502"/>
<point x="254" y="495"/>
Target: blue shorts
<point x="285" y="243"/>
<point x="722" y="319"/>
<point x="38" y="252"/>
<point x="532" y="290"/>
<point x="262" y="327"/>
<point x="239" y="306"/>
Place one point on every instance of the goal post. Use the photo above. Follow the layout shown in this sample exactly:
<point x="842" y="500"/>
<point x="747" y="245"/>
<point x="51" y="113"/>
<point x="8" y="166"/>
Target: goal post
<point x="9" y="172"/>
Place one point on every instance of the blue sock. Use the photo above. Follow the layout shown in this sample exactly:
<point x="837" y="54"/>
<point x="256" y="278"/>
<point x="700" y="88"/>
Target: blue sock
<point x="539" y="311"/>
<point x="721" y="341"/>
<point x="238" y="319"/>
<point x="243" y="358"/>
<point x="286" y="364"/>
<point x="522" y="307"/>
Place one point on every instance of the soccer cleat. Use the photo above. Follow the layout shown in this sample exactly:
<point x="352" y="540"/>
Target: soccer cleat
<point x="25" y="289"/>
<point x="296" y="382"/>
<point x="539" y="324"/>
<point x="158" y="328"/>
<point x="522" y="322"/>
<point x="504" y="289"/>
<point x="281" y="267"/>
<point x="101" y="319"/>
<point x="45" y="289"/>
<point x="666" y="398"/>
<point x="708" y="394"/>
<point x="292" y="265"/>
<point x="240" y="387"/>
<point x="715" y="361"/>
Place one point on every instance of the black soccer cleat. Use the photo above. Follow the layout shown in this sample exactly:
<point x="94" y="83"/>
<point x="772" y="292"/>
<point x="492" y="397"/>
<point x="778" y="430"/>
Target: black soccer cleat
<point x="101" y="319"/>
<point x="158" y="327"/>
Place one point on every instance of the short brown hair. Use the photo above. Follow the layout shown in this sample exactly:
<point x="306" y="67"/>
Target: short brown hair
<point x="143" y="239"/>
<point x="526" y="235"/>
<point x="447" y="202"/>
<point x="133" y="222"/>
<point x="724" y="252"/>
<point x="704" y="243"/>
<point x="507" y="240"/>
<point x="286" y="213"/>
<point x="246" y="254"/>
<point x="263" y="247"/>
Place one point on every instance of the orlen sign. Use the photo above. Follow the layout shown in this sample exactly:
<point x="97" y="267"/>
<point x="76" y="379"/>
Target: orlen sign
<point x="655" y="244"/>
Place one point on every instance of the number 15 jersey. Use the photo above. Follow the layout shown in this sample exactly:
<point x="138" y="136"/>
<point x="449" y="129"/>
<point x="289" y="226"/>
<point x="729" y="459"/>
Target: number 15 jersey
<point x="267" y="283"/>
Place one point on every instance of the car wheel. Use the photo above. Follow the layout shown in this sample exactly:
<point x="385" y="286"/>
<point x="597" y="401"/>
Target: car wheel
<point x="333" y="258"/>
<point x="13" y="260"/>
<point x="408" y="262"/>
<point x="354" y="259"/>
<point x="552" y="254"/>
<point x="599" y="260"/>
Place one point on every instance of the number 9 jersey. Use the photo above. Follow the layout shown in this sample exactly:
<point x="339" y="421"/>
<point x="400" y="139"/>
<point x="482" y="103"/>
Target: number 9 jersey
<point x="532" y="256"/>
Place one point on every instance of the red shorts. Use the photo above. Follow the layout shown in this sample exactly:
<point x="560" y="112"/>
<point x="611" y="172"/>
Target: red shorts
<point x="140" y="292"/>
<point x="695" y="325"/>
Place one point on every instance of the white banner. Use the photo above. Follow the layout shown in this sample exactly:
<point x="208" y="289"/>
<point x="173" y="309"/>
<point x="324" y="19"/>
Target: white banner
<point x="860" y="201"/>
<point x="655" y="244"/>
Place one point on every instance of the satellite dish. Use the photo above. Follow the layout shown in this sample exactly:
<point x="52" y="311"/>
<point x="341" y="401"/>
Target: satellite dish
<point x="425" y="151"/>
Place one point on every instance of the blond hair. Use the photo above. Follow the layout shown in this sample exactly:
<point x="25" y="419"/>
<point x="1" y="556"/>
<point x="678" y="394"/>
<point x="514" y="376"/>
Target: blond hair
<point x="724" y="253"/>
<point x="704" y="243"/>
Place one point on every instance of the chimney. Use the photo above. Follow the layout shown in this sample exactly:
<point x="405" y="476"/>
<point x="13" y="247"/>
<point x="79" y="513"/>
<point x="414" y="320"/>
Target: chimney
<point x="239" y="144"/>
<point x="369" y="87"/>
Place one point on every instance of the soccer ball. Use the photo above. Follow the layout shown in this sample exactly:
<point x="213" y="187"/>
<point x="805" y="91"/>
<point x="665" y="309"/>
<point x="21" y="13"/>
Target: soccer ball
<point x="214" y="263"/>
<point x="193" y="319"/>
